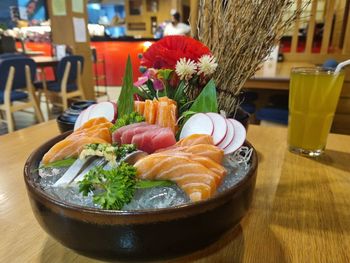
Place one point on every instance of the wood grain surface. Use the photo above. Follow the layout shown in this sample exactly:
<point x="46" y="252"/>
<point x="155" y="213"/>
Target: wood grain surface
<point x="300" y="211"/>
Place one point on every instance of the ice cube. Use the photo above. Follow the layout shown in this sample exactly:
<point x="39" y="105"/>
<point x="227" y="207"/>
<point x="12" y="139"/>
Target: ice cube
<point x="70" y="194"/>
<point x="157" y="197"/>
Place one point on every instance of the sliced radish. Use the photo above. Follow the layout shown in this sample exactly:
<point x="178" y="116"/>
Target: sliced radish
<point x="115" y="111"/>
<point x="86" y="115"/>
<point x="238" y="138"/>
<point x="220" y="127"/>
<point x="103" y="109"/>
<point x="199" y="123"/>
<point x="229" y="135"/>
<point x="77" y="123"/>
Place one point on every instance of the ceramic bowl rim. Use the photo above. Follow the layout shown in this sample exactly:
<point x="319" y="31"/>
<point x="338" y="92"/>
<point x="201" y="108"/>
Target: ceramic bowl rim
<point x="34" y="188"/>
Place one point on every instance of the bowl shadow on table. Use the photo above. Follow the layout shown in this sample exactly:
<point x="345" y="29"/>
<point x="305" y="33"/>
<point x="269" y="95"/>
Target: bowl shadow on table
<point x="55" y="252"/>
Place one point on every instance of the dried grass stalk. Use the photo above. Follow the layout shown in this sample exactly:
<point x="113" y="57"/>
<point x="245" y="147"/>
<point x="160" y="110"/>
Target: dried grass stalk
<point x="240" y="34"/>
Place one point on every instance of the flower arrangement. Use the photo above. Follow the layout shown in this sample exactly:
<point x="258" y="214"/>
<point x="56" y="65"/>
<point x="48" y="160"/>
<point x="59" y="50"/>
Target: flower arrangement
<point x="178" y="67"/>
<point x="240" y="35"/>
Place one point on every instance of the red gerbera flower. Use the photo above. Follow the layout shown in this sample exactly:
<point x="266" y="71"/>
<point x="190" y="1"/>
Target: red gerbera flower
<point x="167" y="51"/>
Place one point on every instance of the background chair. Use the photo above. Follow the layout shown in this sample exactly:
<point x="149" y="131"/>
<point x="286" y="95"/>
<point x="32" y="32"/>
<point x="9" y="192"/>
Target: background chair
<point x="7" y="44"/>
<point x="68" y="81"/>
<point x="276" y="111"/>
<point x="16" y="84"/>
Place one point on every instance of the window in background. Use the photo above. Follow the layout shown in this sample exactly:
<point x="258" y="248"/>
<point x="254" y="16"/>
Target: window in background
<point x="111" y="16"/>
<point x="135" y="7"/>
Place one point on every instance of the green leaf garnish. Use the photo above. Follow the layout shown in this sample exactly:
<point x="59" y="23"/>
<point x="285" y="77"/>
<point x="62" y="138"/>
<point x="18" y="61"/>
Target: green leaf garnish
<point x="142" y="184"/>
<point x="126" y="99"/>
<point x="164" y="73"/>
<point x="59" y="164"/>
<point x="112" y="188"/>
<point x="127" y="119"/>
<point x="206" y="101"/>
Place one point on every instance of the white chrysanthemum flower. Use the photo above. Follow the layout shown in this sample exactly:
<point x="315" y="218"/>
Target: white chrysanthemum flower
<point x="185" y="68"/>
<point x="207" y="65"/>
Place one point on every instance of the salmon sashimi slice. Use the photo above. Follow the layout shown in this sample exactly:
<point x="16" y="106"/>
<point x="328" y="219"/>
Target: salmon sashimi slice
<point x="101" y="131"/>
<point x="197" y="181"/>
<point x="139" y="106"/>
<point x="195" y="139"/>
<point x="94" y="131"/>
<point x="93" y="122"/>
<point x="162" y="112"/>
<point x="217" y="168"/>
<point x="206" y="150"/>
<point x="69" y="148"/>
<point x="150" y="111"/>
<point x="166" y="115"/>
<point x="167" y="100"/>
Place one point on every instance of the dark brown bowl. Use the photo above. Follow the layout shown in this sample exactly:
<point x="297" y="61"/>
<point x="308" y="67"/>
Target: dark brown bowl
<point x="64" y="126"/>
<point x="137" y="235"/>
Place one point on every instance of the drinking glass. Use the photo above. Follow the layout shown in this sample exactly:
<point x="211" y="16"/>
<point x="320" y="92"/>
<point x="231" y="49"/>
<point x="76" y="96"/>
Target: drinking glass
<point x="313" y="98"/>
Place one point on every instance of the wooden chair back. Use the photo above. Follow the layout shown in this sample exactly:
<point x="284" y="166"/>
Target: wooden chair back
<point x="335" y="43"/>
<point x="20" y="75"/>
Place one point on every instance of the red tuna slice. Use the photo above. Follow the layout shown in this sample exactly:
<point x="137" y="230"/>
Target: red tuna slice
<point x="143" y="141"/>
<point x="129" y="134"/>
<point x="116" y="136"/>
<point x="153" y="140"/>
<point x="164" y="139"/>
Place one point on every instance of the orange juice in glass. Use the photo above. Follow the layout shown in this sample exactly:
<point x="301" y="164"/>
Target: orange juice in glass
<point x="313" y="98"/>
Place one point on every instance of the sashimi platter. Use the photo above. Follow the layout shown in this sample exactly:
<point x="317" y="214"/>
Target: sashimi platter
<point x="162" y="153"/>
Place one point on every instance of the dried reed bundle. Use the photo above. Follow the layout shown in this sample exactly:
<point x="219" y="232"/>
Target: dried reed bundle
<point x="240" y="34"/>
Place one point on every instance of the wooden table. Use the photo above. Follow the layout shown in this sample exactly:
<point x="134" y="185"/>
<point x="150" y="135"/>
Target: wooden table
<point x="45" y="61"/>
<point x="274" y="76"/>
<point x="300" y="210"/>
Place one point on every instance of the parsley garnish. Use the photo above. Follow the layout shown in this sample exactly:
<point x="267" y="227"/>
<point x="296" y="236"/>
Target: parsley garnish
<point x="112" y="188"/>
<point x="127" y="119"/>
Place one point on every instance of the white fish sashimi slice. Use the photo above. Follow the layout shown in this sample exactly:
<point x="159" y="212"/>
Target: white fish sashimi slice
<point x="229" y="135"/>
<point x="220" y="127"/>
<point x="238" y="138"/>
<point x="72" y="172"/>
<point x="199" y="123"/>
<point x="97" y="162"/>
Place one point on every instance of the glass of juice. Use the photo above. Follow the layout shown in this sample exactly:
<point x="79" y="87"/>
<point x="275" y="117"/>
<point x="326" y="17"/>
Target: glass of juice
<point x="313" y="98"/>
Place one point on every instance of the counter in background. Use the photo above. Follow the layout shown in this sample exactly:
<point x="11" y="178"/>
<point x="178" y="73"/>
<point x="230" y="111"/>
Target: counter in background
<point x="114" y="52"/>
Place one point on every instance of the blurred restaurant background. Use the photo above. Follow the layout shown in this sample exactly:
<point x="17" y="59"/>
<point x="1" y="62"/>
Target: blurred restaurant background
<point x="98" y="36"/>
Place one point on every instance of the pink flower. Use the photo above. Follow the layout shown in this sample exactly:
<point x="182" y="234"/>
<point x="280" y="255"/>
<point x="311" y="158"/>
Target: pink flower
<point x="150" y="74"/>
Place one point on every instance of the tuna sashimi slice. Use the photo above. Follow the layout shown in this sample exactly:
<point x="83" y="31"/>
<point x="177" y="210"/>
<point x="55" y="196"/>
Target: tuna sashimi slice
<point x="165" y="138"/>
<point x="129" y="134"/>
<point x="153" y="140"/>
<point x="116" y="136"/>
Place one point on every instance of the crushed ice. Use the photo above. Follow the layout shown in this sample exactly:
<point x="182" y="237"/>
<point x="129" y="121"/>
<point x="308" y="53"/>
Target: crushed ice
<point x="237" y="166"/>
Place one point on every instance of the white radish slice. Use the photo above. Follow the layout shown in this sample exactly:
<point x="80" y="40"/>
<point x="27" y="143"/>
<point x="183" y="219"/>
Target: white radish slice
<point x="220" y="127"/>
<point x="115" y="111"/>
<point x="238" y="138"/>
<point x="229" y="135"/>
<point x="103" y="109"/>
<point x="86" y="115"/>
<point x="199" y="123"/>
<point x="77" y="123"/>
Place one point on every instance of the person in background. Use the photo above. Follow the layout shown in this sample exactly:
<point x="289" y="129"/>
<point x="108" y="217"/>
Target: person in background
<point x="176" y="27"/>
